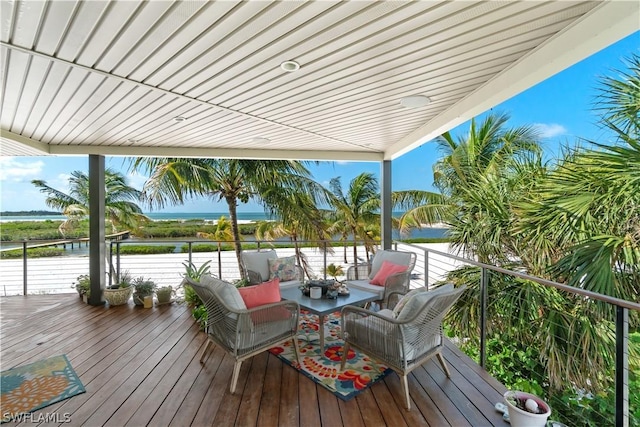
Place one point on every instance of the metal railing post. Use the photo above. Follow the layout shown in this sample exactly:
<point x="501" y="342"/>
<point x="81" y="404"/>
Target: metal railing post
<point x="484" y="284"/>
<point x="190" y="244"/>
<point x="622" y="367"/>
<point x="219" y="262"/>
<point x="24" y="268"/>
<point x="118" y="261"/>
<point x="426" y="269"/>
<point x="325" y="260"/>
<point x="110" y="262"/>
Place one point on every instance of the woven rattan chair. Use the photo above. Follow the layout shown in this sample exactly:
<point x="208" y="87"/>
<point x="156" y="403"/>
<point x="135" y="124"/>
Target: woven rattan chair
<point x="244" y="333"/>
<point x="404" y="342"/>
<point x="358" y="276"/>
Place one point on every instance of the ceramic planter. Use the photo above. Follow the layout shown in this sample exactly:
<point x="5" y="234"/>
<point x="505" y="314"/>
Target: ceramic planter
<point x="523" y="418"/>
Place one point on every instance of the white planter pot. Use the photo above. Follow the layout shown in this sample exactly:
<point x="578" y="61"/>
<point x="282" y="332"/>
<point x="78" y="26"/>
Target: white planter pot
<point x="522" y="418"/>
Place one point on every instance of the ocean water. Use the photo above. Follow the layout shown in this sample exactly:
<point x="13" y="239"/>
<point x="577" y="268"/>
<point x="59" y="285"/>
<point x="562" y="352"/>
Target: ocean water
<point x="430" y="232"/>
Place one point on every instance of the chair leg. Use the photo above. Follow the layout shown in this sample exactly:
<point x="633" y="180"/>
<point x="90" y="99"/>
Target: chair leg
<point x="296" y="349"/>
<point x="444" y="365"/>
<point x="405" y="385"/>
<point x="345" y="351"/>
<point x="204" y="350"/>
<point x="236" y="373"/>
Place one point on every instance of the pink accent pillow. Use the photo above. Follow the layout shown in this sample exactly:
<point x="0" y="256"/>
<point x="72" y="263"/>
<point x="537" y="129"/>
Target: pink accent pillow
<point x="264" y="293"/>
<point x="386" y="270"/>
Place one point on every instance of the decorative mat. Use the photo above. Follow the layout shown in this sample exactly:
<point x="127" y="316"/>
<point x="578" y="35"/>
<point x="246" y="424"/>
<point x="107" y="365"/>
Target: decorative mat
<point x="39" y="384"/>
<point x="360" y="371"/>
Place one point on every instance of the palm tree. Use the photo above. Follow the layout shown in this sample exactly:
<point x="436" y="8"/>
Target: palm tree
<point x="235" y="181"/>
<point x="120" y="207"/>
<point x="357" y="208"/>
<point x="299" y="220"/>
<point x="478" y="177"/>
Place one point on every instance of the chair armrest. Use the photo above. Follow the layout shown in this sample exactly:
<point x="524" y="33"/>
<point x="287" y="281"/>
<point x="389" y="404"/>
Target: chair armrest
<point x="392" y="298"/>
<point x="396" y="283"/>
<point x="358" y="272"/>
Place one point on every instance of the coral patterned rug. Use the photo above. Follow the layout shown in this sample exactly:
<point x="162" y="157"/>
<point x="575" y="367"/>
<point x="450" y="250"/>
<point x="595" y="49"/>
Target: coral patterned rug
<point x="39" y="384"/>
<point x="359" y="373"/>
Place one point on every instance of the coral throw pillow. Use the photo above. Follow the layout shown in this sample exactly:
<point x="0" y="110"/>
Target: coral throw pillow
<point x="264" y="293"/>
<point x="386" y="270"/>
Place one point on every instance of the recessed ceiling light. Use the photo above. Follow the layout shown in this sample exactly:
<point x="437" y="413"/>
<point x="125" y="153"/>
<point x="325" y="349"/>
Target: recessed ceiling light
<point x="133" y="140"/>
<point x="290" y="66"/>
<point x="260" y="140"/>
<point x="179" y="119"/>
<point x="414" y="101"/>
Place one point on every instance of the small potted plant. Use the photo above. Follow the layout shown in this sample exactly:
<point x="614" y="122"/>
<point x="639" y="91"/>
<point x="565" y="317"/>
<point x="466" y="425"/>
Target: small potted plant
<point x="119" y="293"/>
<point x="143" y="288"/>
<point x="83" y="286"/>
<point x="526" y="409"/>
<point x="164" y="294"/>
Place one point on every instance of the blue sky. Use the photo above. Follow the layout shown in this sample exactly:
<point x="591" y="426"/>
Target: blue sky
<point x="561" y="107"/>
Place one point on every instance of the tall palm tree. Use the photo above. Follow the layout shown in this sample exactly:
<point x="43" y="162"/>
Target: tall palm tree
<point x="299" y="220"/>
<point x="173" y="180"/>
<point x="478" y="177"/>
<point x="120" y="207"/>
<point x="357" y="208"/>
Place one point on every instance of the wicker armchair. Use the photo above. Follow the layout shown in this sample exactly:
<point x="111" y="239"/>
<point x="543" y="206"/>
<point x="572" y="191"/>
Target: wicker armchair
<point x="405" y="340"/>
<point x="358" y="276"/>
<point x="244" y="333"/>
<point x="256" y="267"/>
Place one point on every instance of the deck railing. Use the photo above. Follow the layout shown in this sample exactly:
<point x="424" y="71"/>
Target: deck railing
<point x="434" y="262"/>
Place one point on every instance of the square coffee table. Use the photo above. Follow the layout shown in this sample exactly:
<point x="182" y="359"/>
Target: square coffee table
<point x="323" y="306"/>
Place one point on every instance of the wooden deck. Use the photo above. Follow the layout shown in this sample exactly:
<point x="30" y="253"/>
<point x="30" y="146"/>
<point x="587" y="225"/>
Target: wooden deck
<point x="140" y="367"/>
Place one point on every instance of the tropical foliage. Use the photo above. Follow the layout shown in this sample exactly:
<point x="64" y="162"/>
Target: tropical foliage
<point x="271" y="183"/>
<point x="576" y="221"/>
<point x="120" y="207"/>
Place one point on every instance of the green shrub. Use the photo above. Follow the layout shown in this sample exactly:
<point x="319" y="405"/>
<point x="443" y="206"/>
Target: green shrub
<point x="32" y="253"/>
<point x="146" y="249"/>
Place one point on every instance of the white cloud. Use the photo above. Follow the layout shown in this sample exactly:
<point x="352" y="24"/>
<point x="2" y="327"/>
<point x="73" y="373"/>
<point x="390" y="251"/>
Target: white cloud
<point x="17" y="170"/>
<point x="136" y="180"/>
<point x="342" y="162"/>
<point x="549" y="130"/>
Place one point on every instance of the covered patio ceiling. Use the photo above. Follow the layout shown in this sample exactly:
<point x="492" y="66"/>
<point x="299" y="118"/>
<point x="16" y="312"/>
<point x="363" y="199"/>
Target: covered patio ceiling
<point x="197" y="78"/>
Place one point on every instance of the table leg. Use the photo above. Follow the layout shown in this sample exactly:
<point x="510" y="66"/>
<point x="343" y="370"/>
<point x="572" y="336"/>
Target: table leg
<point x="321" y="331"/>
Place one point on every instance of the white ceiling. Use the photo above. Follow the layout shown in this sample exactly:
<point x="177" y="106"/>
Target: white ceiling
<point x="97" y="77"/>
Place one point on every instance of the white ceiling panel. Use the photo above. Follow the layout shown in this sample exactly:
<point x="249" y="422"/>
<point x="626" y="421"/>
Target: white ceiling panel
<point x="110" y="77"/>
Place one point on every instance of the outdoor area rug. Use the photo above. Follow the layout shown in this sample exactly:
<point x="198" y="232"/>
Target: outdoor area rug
<point x="39" y="384"/>
<point x="359" y="372"/>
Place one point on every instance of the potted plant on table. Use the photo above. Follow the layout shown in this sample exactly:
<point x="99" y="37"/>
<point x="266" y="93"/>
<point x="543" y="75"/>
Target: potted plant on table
<point x="119" y="293"/>
<point x="143" y="288"/>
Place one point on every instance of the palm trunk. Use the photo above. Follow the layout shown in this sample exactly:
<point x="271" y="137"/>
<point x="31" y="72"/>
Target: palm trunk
<point x="355" y="248"/>
<point x="233" y="218"/>
<point x="344" y="247"/>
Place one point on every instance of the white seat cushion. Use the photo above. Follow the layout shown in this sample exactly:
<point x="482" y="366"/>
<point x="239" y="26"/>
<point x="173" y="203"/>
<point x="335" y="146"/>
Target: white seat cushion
<point x="258" y="261"/>
<point x="227" y="293"/>
<point x="290" y="284"/>
<point x="365" y="285"/>
<point x="419" y="299"/>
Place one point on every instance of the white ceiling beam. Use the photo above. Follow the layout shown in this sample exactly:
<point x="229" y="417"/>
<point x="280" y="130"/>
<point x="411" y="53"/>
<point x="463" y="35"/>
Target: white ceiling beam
<point x="23" y="140"/>
<point x="604" y="25"/>
<point x="221" y="153"/>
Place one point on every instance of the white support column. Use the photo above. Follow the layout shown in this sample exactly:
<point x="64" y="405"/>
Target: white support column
<point x="97" y="264"/>
<point x="386" y="210"/>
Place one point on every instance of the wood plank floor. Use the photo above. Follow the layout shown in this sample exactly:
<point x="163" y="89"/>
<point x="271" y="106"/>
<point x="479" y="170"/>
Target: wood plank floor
<point x="140" y="367"/>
